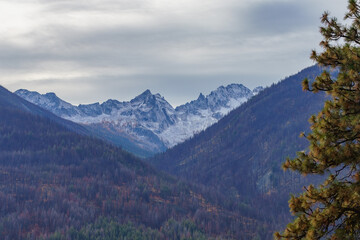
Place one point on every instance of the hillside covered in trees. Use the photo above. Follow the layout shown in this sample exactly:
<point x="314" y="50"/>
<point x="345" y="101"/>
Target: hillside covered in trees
<point x="57" y="184"/>
<point x="241" y="155"/>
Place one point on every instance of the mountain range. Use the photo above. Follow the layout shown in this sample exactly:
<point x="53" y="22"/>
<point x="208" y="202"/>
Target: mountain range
<point x="58" y="184"/>
<point x="147" y="124"/>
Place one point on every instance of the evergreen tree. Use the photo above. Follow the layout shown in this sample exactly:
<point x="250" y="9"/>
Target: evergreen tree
<point x="332" y="209"/>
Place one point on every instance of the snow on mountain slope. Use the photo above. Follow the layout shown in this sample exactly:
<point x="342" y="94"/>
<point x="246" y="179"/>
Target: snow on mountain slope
<point x="148" y="120"/>
<point x="203" y="112"/>
<point x="49" y="101"/>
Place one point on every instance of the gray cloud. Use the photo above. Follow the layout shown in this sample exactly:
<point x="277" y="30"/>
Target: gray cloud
<point x="279" y="17"/>
<point x="89" y="51"/>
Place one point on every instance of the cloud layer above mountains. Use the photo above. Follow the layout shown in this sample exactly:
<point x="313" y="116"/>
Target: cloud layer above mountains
<point x="92" y="50"/>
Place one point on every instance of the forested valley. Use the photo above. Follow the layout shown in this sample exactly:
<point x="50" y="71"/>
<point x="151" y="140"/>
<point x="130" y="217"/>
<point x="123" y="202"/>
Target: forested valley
<point x="57" y="184"/>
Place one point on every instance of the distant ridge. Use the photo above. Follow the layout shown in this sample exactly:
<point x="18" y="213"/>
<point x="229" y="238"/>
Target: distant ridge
<point x="241" y="155"/>
<point x="12" y="101"/>
<point x="148" y="123"/>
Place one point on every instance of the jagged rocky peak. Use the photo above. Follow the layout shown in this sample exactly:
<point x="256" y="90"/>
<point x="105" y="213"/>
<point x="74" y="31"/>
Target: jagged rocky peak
<point x="143" y="97"/>
<point x="111" y="105"/>
<point x="153" y="101"/>
<point x="237" y="88"/>
<point x="37" y="96"/>
<point x="201" y="97"/>
<point x="158" y="95"/>
<point x="26" y="94"/>
<point x="257" y="90"/>
<point x="223" y="95"/>
<point x="51" y="95"/>
<point x="23" y="92"/>
<point x="93" y="109"/>
<point x="233" y="90"/>
<point x="201" y="102"/>
<point x="193" y="106"/>
<point x="229" y="97"/>
<point x="48" y="101"/>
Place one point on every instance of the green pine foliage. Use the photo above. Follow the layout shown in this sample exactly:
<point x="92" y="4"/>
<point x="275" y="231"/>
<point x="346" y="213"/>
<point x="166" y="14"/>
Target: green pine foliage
<point x="332" y="209"/>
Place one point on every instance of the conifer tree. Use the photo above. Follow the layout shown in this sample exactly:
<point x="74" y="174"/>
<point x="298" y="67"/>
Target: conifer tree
<point x="332" y="209"/>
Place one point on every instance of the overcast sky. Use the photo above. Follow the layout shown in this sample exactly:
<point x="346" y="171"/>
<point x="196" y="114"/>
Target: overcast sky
<point x="92" y="50"/>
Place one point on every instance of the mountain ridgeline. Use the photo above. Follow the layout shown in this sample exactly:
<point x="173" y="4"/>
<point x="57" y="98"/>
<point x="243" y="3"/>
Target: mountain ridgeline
<point x="148" y="123"/>
<point x="241" y="155"/>
<point x="10" y="101"/>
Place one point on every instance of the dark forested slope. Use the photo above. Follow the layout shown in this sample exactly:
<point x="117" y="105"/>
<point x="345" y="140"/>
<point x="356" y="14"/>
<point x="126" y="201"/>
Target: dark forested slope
<point x="9" y="100"/>
<point x="242" y="153"/>
<point x="58" y="184"/>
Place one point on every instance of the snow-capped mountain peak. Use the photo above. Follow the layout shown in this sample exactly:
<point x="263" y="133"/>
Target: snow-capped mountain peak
<point x="148" y="120"/>
<point x="48" y="101"/>
<point x="222" y="96"/>
<point x="143" y="97"/>
<point x="149" y="100"/>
